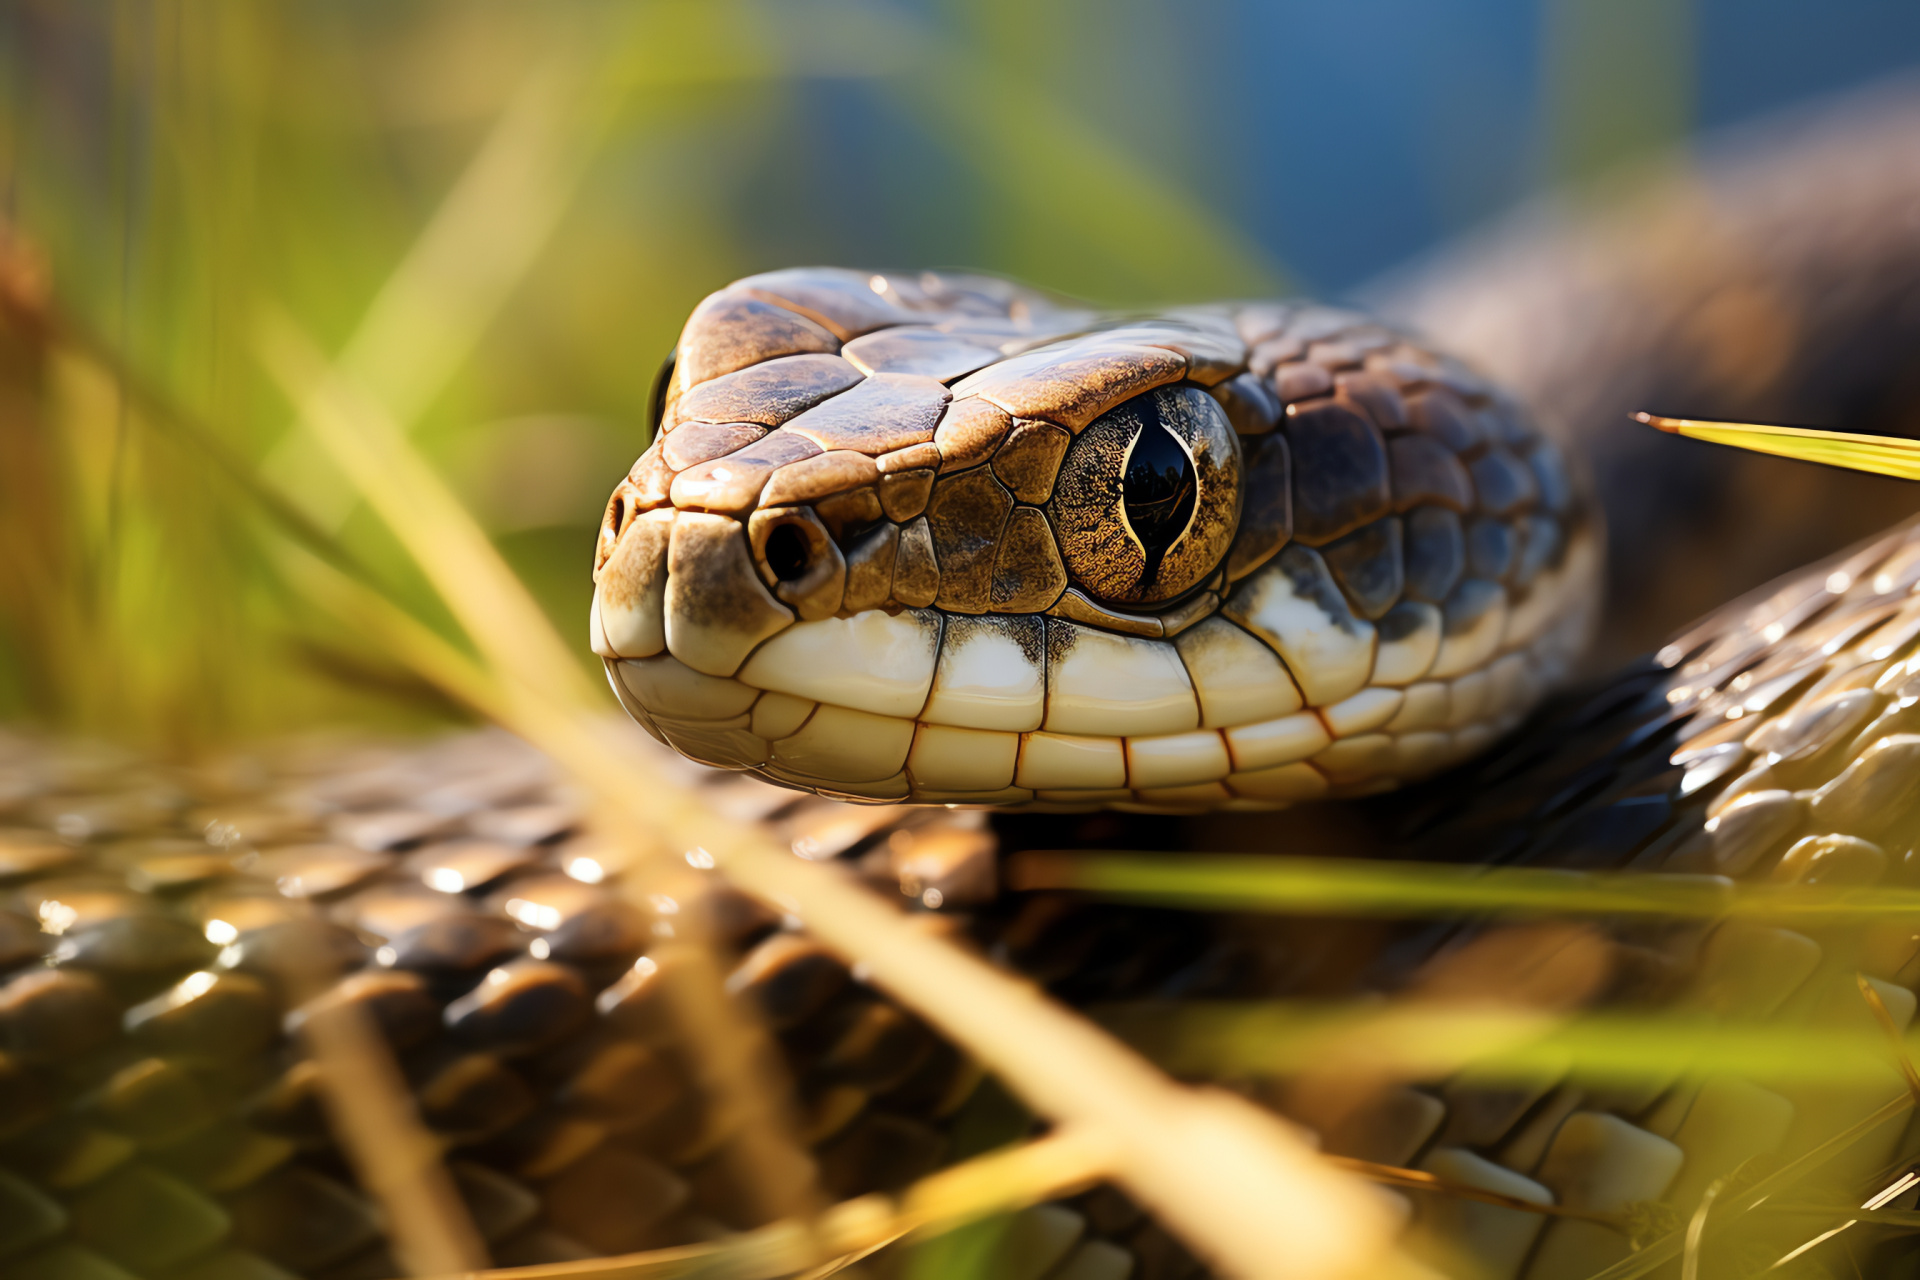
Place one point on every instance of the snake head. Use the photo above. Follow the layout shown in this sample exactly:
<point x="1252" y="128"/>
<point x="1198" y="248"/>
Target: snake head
<point x="945" y="539"/>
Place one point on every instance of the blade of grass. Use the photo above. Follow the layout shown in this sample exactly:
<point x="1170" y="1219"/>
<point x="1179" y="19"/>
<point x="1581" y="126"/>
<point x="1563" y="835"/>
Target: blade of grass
<point x="486" y="234"/>
<point x="998" y="1182"/>
<point x="729" y="1056"/>
<point x="1232" y="1180"/>
<point x="734" y="1067"/>
<point x="368" y="1105"/>
<point x="1059" y="1164"/>
<point x="505" y="623"/>
<point x="1025" y="140"/>
<point x="1421" y="1180"/>
<point x="1065" y="1161"/>
<point x="492" y="605"/>
<point x="1367" y="887"/>
<point x="1875" y="1204"/>
<point x="391" y="1151"/>
<point x="1696" y="1231"/>
<point x="1881" y="455"/>
<point x="1660" y="1252"/>
<point x="1418" y="1040"/>
<point x="1895" y="1042"/>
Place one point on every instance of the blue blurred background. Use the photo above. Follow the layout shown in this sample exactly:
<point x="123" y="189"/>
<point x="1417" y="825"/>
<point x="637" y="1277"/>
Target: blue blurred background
<point x="1328" y="141"/>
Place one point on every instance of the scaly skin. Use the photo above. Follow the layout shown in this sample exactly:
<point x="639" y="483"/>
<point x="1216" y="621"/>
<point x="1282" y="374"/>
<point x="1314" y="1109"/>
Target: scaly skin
<point x="883" y="549"/>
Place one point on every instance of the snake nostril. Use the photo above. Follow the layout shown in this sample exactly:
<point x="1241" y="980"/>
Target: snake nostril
<point x="617" y="518"/>
<point x="789" y="553"/>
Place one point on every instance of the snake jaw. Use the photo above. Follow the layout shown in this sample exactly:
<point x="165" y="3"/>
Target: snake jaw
<point x="884" y="549"/>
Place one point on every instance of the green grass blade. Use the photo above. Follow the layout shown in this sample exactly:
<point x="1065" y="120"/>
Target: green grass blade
<point x="486" y="235"/>
<point x="155" y="409"/>
<point x="1651" y="1258"/>
<point x="494" y="607"/>
<point x="1369" y="887"/>
<point x="1430" y="1040"/>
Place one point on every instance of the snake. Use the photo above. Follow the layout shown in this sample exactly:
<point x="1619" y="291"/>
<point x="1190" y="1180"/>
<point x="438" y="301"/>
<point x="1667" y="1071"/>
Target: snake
<point x="966" y="570"/>
<point x="934" y="539"/>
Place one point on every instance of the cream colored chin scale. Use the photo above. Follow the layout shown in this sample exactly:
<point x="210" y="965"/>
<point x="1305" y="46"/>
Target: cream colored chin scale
<point x="942" y="539"/>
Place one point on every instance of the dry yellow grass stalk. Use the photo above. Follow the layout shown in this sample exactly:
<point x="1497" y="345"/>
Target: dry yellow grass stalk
<point x="734" y="1067"/>
<point x="1241" y="1188"/>
<point x="393" y="1154"/>
<point x="1000" y="1182"/>
<point x="507" y="626"/>
<point x="486" y="234"/>
<point x="1880" y="455"/>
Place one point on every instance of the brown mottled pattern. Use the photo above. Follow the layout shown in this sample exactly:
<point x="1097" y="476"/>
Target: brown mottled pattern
<point x="157" y="1117"/>
<point x="169" y="1127"/>
<point x="962" y="442"/>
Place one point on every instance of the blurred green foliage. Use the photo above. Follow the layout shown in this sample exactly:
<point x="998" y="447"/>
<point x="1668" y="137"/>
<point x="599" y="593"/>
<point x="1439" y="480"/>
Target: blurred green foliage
<point x="496" y="215"/>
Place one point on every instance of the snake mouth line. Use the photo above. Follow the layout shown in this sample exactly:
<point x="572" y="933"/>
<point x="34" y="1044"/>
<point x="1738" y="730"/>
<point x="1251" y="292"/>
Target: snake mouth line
<point x="1280" y="698"/>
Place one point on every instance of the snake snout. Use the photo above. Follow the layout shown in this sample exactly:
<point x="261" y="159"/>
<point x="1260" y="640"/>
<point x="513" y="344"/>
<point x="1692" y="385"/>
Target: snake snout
<point x="621" y="508"/>
<point x="630" y="577"/>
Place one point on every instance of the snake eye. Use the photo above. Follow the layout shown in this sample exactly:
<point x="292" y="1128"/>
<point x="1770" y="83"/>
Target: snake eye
<point x="1148" y="497"/>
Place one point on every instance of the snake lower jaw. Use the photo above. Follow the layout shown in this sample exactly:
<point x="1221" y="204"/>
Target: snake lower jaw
<point x="1282" y="697"/>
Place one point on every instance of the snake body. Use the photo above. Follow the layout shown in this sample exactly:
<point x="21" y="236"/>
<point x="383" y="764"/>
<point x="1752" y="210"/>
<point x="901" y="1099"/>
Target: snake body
<point x="897" y="540"/>
<point x="166" y="934"/>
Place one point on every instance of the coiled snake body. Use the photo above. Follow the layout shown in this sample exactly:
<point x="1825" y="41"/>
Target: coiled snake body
<point x="938" y="540"/>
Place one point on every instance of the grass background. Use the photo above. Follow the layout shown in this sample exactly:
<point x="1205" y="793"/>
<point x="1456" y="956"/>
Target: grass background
<point x="498" y="214"/>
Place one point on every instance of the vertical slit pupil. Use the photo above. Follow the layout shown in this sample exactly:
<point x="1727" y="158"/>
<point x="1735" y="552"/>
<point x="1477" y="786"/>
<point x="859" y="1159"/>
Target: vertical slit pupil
<point x="1158" y="491"/>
